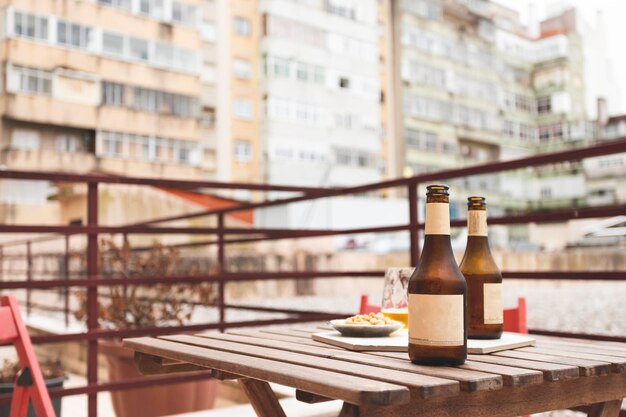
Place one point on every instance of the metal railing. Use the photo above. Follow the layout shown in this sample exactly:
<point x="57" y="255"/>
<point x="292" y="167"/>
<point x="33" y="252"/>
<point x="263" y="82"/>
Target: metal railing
<point x="226" y="236"/>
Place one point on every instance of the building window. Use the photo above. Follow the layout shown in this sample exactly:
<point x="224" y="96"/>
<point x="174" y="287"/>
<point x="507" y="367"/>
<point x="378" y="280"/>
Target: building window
<point x="344" y="82"/>
<point x="543" y="105"/>
<point x="71" y="34"/>
<point x="242" y="68"/>
<point x="318" y="75"/>
<point x="207" y="31"/>
<point x="29" y="80"/>
<point x="113" y="44"/>
<point x="138" y="49"/>
<point x="25" y="139"/>
<point x="302" y="72"/>
<point x="242" y="108"/>
<point x="281" y="67"/>
<point x="112" y="144"/>
<point x="122" y="4"/>
<point x="546" y="192"/>
<point x="183" y="13"/>
<point x="242" y="26"/>
<point x="112" y="94"/>
<point x="30" y="25"/>
<point x="207" y="117"/>
<point x="68" y="143"/>
<point x="148" y="100"/>
<point x="243" y="151"/>
<point x="153" y="8"/>
<point x="344" y="120"/>
<point x="340" y="9"/>
<point x="421" y="139"/>
<point x="122" y="145"/>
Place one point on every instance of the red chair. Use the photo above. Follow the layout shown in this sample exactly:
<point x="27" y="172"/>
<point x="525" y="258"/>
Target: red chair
<point x="29" y="384"/>
<point x="367" y="308"/>
<point x="515" y="318"/>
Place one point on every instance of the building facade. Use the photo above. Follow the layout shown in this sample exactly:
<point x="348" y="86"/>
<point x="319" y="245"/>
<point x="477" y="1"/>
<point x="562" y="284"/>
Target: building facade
<point x="478" y="87"/>
<point x="322" y="92"/>
<point x="101" y="85"/>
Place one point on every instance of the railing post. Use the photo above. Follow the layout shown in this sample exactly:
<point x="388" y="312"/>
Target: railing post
<point x="414" y="224"/>
<point x="125" y="244"/>
<point x="29" y="275"/>
<point x="221" y="268"/>
<point x="92" y="295"/>
<point x="66" y="276"/>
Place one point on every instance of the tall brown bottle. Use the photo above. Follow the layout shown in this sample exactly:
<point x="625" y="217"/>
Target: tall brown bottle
<point x="437" y="292"/>
<point x="484" y="279"/>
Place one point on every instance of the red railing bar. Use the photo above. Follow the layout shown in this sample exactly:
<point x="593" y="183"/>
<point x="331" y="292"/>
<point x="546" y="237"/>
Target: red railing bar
<point x="93" y="335"/>
<point x="92" y="296"/>
<point x="177" y="279"/>
<point x="288" y="275"/>
<point x="567" y="275"/>
<point x="56" y="309"/>
<point x="276" y="233"/>
<point x="56" y="176"/>
<point x="612" y="147"/>
<point x="280" y="310"/>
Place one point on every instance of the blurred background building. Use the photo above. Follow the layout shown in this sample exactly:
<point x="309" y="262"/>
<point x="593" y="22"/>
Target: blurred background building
<point x="305" y="92"/>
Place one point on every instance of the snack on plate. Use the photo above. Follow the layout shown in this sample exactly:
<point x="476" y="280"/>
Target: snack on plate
<point x="371" y="319"/>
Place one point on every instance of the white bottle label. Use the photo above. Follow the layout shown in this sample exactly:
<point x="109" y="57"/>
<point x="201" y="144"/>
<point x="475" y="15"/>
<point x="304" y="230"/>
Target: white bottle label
<point x="436" y="320"/>
<point x="493" y="310"/>
<point x="477" y="223"/>
<point x="437" y="219"/>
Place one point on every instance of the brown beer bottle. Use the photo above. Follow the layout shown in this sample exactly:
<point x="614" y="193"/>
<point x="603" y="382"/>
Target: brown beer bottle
<point x="437" y="292"/>
<point x="484" y="280"/>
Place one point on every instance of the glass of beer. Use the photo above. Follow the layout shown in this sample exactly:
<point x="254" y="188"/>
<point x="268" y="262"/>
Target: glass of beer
<point x="395" y="304"/>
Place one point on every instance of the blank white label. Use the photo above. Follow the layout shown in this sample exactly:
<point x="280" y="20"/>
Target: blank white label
<point x="436" y="320"/>
<point x="493" y="313"/>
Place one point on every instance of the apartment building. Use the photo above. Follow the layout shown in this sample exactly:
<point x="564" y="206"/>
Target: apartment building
<point x="112" y="86"/>
<point x="477" y="87"/>
<point x="321" y="91"/>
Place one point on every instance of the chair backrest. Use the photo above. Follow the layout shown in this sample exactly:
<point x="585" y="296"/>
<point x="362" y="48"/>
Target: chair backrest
<point x="515" y="318"/>
<point x="367" y="308"/>
<point x="8" y="332"/>
<point x="29" y="386"/>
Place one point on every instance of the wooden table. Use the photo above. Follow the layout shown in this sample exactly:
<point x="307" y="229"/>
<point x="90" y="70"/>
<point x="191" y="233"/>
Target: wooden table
<point x="555" y="374"/>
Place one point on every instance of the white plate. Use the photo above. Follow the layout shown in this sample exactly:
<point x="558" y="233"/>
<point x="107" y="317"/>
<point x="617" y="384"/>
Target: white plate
<point x="365" y="330"/>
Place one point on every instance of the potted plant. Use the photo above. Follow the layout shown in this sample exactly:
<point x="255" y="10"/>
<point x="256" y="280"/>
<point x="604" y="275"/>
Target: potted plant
<point x="138" y="306"/>
<point x="53" y="376"/>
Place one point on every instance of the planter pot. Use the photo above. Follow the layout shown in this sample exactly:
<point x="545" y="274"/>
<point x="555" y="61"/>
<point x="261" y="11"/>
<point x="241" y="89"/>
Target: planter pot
<point x="153" y="401"/>
<point x="5" y="410"/>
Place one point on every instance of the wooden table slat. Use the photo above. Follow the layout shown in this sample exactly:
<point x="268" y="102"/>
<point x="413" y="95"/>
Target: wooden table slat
<point x="275" y="336"/>
<point x="426" y="386"/>
<point x="288" y="332"/>
<point x="618" y="364"/>
<point x="580" y="347"/>
<point x="468" y="379"/>
<point x="587" y="367"/>
<point x="512" y="377"/>
<point x="552" y="372"/>
<point x="348" y="388"/>
<point x="597" y="344"/>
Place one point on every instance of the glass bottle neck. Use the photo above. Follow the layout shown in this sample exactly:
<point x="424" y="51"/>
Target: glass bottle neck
<point x="477" y="223"/>
<point x="437" y="219"/>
